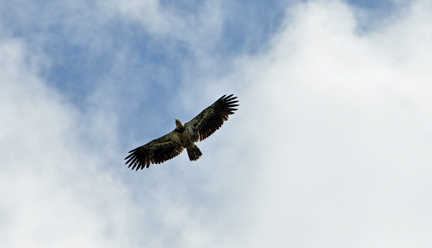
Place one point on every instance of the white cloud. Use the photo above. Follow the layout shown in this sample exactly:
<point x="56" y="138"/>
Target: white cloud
<point x="342" y="119"/>
<point x="330" y="146"/>
<point x="195" y="29"/>
<point x="52" y="192"/>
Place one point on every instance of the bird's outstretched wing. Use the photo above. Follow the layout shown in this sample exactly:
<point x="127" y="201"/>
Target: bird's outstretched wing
<point x="212" y="118"/>
<point x="155" y="152"/>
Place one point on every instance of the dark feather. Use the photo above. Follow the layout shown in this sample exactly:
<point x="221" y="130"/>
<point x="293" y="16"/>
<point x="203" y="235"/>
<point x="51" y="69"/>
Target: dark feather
<point x="212" y="118"/>
<point x="155" y="152"/>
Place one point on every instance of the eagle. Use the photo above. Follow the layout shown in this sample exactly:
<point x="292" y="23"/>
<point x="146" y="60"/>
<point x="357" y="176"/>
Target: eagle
<point x="184" y="136"/>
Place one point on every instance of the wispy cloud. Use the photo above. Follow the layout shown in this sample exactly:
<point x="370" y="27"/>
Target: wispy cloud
<point x="51" y="192"/>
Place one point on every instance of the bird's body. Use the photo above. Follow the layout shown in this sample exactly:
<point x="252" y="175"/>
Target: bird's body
<point x="184" y="136"/>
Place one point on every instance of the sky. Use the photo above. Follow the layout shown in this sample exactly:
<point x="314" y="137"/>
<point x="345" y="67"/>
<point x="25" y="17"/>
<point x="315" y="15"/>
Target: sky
<point x="331" y="145"/>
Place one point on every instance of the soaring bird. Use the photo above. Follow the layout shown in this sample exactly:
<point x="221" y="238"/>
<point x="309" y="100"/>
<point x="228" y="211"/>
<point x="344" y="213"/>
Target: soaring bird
<point x="184" y="136"/>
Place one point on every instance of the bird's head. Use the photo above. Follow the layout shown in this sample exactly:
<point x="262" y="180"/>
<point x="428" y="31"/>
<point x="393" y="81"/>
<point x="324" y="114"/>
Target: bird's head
<point x="179" y="124"/>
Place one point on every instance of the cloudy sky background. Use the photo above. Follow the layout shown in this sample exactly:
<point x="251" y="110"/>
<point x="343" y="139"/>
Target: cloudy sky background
<point x="331" y="146"/>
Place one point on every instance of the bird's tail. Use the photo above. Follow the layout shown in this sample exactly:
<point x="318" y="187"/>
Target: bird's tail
<point x="194" y="153"/>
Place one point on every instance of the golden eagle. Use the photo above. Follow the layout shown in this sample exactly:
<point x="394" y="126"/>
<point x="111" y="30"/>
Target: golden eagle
<point x="184" y="136"/>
